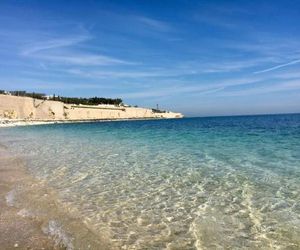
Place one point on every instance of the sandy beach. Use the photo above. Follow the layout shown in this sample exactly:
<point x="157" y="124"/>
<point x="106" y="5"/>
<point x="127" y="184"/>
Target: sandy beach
<point x="13" y="123"/>
<point x="5" y="123"/>
<point x="17" y="231"/>
<point x="149" y="125"/>
<point x="31" y="216"/>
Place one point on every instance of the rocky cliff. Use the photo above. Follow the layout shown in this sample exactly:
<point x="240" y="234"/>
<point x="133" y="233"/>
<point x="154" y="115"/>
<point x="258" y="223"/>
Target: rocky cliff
<point x="27" y="108"/>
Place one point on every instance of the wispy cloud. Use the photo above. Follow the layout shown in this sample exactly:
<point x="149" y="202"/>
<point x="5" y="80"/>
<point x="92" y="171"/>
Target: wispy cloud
<point x="170" y="91"/>
<point x="53" y="44"/>
<point x="74" y="58"/>
<point x="265" y="89"/>
<point x="220" y="50"/>
<point x="61" y="51"/>
<point x="154" y="23"/>
<point x="172" y="72"/>
<point x="179" y="87"/>
<point x="232" y="65"/>
<point x="241" y="86"/>
<point x="278" y="67"/>
<point x="116" y="74"/>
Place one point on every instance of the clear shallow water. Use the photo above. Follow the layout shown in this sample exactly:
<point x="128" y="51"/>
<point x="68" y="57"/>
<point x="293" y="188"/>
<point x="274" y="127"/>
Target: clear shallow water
<point x="206" y="183"/>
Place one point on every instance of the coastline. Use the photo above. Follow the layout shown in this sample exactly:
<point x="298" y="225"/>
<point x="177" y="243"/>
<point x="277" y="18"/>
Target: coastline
<point x="5" y="123"/>
<point x="32" y="217"/>
<point x="128" y="182"/>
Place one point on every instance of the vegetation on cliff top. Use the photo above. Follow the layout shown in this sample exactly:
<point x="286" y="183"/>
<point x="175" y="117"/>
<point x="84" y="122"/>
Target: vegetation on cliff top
<point x="71" y="100"/>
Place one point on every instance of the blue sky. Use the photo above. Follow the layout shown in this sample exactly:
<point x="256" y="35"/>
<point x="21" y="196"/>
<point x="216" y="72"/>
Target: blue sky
<point x="197" y="57"/>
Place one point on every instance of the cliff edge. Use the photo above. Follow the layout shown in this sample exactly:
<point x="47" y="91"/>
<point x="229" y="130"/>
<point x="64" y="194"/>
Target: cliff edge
<point x="27" y="108"/>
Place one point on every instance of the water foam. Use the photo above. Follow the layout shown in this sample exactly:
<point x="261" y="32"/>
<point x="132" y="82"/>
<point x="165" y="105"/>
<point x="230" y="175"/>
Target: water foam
<point x="56" y="231"/>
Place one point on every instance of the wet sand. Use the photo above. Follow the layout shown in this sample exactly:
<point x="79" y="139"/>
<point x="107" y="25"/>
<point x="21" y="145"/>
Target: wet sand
<point x="17" y="231"/>
<point x="5" y="123"/>
<point x="31" y="217"/>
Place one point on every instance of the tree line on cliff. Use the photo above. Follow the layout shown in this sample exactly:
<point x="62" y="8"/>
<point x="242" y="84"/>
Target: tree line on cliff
<point x="70" y="100"/>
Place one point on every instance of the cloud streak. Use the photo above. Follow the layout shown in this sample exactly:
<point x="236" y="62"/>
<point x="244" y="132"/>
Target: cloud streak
<point x="180" y="70"/>
<point x="54" y="44"/>
<point x="61" y="51"/>
<point x="278" y="87"/>
<point x="278" y="67"/>
<point x="227" y="87"/>
<point x="81" y="59"/>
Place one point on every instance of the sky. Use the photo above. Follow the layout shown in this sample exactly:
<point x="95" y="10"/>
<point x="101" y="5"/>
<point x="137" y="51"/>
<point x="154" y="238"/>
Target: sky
<point x="201" y="58"/>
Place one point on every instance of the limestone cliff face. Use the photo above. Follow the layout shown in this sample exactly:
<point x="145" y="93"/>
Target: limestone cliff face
<point x="15" y="107"/>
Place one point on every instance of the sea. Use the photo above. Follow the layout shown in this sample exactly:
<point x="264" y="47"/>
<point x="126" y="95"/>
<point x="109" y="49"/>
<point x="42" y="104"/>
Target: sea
<point x="193" y="183"/>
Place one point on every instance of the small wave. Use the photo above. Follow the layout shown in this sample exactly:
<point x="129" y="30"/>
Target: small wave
<point x="10" y="198"/>
<point x="61" y="238"/>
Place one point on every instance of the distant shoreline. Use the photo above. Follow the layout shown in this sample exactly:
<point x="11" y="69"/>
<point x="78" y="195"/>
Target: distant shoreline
<point x="5" y="123"/>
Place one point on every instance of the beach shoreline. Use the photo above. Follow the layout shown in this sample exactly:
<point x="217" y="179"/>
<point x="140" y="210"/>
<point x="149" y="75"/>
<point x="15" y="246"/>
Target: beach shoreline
<point x="32" y="216"/>
<point x="179" y="184"/>
<point x="16" y="230"/>
<point x="6" y="123"/>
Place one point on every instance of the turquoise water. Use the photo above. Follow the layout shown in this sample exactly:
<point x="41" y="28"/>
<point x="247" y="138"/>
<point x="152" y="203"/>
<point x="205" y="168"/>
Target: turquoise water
<point x="194" y="183"/>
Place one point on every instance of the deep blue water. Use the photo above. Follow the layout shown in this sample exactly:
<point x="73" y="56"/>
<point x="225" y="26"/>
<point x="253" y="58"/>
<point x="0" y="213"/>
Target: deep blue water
<point x="227" y="182"/>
